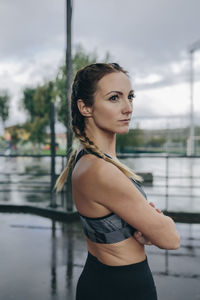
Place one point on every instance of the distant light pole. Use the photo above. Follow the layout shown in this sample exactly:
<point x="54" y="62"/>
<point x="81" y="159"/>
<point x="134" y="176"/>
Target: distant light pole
<point x="195" y="46"/>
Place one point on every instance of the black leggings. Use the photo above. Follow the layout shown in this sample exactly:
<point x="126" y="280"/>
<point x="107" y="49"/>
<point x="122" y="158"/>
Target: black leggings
<point x="102" y="282"/>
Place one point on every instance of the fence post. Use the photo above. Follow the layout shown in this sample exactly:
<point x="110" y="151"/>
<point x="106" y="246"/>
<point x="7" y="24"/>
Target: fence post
<point x="167" y="183"/>
<point x="62" y="191"/>
<point x="53" y="153"/>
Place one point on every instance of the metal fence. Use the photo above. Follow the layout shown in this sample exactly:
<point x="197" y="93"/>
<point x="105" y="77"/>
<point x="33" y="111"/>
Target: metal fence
<point x="37" y="184"/>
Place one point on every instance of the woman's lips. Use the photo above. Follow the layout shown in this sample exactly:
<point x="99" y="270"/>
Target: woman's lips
<point x="125" y="120"/>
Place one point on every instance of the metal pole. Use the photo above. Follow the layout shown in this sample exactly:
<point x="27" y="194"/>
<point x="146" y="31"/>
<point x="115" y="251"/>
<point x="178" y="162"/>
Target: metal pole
<point x="62" y="192"/>
<point x="191" y="151"/>
<point x="53" y="153"/>
<point x="167" y="183"/>
<point x="68" y="96"/>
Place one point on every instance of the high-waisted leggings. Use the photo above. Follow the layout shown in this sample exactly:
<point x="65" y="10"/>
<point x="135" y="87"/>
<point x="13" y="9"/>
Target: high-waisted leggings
<point x="102" y="282"/>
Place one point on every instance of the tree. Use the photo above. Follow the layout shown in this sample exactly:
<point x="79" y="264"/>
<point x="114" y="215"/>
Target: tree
<point x="156" y="142"/>
<point x="4" y="106"/>
<point x="79" y="60"/>
<point x="14" y="132"/>
<point x="36" y="102"/>
<point x="28" y="101"/>
<point x="132" y="139"/>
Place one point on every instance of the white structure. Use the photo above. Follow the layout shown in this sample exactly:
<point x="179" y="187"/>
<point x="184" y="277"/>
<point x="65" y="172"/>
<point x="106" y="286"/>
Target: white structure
<point x="192" y="49"/>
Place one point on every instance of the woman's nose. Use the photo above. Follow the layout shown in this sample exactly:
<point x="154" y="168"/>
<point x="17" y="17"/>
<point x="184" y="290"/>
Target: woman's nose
<point x="127" y="107"/>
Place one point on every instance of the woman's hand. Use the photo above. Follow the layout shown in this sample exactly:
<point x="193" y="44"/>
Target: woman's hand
<point x="139" y="236"/>
<point x="157" y="209"/>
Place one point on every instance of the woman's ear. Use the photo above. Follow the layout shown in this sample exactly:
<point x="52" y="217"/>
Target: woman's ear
<point x="86" y="111"/>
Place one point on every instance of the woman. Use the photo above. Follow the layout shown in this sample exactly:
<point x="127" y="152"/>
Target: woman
<point x="116" y="217"/>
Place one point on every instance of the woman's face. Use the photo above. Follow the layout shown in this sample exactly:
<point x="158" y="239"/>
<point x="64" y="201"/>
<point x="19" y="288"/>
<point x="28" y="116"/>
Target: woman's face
<point x="113" y="103"/>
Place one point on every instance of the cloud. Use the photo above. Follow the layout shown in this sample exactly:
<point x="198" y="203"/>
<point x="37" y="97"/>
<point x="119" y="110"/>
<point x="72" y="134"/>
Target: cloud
<point x="143" y="34"/>
<point x="29" y="27"/>
<point x="148" y="38"/>
<point x="148" y="34"/>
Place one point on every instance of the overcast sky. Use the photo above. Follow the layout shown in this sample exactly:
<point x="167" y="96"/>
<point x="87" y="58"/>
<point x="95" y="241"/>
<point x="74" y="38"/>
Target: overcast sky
<point x="150" y="38"/>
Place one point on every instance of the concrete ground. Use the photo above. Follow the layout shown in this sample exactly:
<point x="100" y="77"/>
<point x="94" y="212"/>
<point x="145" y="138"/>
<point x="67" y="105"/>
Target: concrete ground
<point x="42" y="259"/>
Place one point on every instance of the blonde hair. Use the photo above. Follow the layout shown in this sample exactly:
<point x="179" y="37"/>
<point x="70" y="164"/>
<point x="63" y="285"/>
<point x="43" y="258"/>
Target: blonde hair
<point x="84" y="87"/>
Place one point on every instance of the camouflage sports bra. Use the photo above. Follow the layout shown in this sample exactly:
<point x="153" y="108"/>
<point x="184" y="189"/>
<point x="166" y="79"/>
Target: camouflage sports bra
<point x="107" y="229"/>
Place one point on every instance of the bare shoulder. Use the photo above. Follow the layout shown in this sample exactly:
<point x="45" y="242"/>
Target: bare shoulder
<point x="93" y="169"/>
<point x="100" y="176"/>
<point x="86" y="168"/>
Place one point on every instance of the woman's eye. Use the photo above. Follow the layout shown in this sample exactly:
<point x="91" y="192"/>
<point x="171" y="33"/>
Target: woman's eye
<point x="113" y="98"/>
<point x="131" y="96"/>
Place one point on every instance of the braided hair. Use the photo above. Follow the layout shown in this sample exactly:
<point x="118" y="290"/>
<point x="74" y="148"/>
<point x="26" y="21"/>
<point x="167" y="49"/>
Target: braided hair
<point x="84" y="87"/>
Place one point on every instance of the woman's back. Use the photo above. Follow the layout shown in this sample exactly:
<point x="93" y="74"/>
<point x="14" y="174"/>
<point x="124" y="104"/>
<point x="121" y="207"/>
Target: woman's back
<point x="109" y="237"/>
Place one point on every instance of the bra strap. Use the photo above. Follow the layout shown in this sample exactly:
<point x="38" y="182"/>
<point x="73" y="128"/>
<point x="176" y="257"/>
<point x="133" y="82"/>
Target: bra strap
<point x="82" y="152"/>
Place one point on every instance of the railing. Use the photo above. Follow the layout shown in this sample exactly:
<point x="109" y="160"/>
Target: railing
<point x="47" y="186"/>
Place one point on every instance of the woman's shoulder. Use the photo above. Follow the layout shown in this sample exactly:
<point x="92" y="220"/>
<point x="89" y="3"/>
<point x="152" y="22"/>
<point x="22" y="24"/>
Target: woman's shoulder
<point x="98" y="173"/>
<point x="88" y="167"/>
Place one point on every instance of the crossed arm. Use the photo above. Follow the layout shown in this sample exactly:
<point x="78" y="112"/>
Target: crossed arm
<point x="117" y="193"/>
<point x="141" y="238"/>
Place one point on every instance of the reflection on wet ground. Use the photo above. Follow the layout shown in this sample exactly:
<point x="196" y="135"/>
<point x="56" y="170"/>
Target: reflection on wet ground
<point x="42" y="259"/>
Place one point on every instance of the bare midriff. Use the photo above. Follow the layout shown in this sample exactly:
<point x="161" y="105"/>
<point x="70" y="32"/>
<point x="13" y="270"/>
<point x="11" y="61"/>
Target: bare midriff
<point x="125" y="252"/>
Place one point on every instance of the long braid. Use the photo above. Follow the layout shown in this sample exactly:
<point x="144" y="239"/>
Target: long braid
<point x="63" y="176"/>
<point x="88" y="144"/>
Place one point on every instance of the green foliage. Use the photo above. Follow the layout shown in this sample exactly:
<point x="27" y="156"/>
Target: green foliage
<point x="37" y="130"/>
<point x="134" y="138"/>
<point x="179" y="140"/>
<point x="14" y="134"/>
<point x="197" y="130"/>
<point x="82" y="59"/>
<point x="28" y="101"/>
<point x="37" y="101"/>
<point x="4" y="105"/>
<point x="156" y="142"/>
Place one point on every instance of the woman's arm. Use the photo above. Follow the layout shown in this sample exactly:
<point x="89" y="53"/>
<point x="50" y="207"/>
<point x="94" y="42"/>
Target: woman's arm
<point x="143" y="240"/>
<point x="109" y="187"/>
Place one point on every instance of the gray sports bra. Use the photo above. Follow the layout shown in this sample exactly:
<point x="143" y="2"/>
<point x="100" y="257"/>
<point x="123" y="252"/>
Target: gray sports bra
<point x="108" y="229"/>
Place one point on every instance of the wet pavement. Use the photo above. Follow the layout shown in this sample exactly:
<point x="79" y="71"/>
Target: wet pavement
<point x="42" y="259"/>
